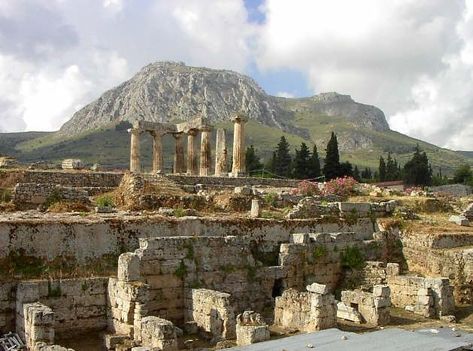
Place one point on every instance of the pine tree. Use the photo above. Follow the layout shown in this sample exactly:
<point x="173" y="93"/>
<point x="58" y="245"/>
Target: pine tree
<point x="314" y="164"/>
<point x="283" y="160"/>
<point x="356" y="174"/>
<point x="346" y="169"/>
<point x="366" y="174"/>
<point x="302" y="162"/>
<point x="382" y="169"/>
<point x="253" y="162"/>
<point x="417" y="171"/>
<point x="332" y="159"/>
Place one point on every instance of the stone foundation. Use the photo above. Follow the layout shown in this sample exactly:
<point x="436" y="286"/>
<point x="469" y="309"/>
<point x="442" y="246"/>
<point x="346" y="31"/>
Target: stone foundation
<point x="158" y="333"/>
<point x="213" y="313"/>
<point x="372" y="307"/>
<point x="306" y="311"/>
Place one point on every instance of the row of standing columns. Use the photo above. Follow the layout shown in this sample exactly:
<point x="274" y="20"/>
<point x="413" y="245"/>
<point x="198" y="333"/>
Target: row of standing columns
<point x="191" y="168"/>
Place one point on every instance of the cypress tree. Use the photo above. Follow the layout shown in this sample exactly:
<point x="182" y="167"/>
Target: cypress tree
<point x="314" y="164"/>
<point x="356" y="174"/>
<point x="382" y="169"/>
<point x="417" y="170"/>
<point x="346" y="169"/>
<point x="332" y="159"/>
<point x="283" y="160"/>
<point x="252" y="160"/>
<point x="302" y="162"/>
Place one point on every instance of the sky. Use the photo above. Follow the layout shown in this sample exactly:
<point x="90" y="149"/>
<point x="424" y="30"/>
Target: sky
<point x="411" y="58"/>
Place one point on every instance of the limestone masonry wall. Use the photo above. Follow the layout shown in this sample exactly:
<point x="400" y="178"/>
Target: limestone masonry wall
<point x="79" y="305"/>
<point x="31" y="195"/>
<point x="84" y="240"/>
<point x="74" y="179"/>
<point x="232" y="181"/>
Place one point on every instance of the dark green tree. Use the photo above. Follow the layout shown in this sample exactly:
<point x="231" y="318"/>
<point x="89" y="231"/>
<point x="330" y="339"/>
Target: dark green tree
<point x="283" y="160"/>
<point x="417" y="170"/>
<point x="346" y="169"/>
<point x="356" y="174"/>
<point x="463" y="174"/>
<point x="332" y="159"/>
<point x="382" y="169"/>
<point x="253" y="162"/>
<point x="366" y="174"/>
<point x="314" y="164"/>
<point x="302" y="162"/>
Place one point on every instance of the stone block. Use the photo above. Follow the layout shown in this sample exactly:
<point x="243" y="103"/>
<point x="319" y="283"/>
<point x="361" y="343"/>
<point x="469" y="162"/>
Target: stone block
<point x="459" y="220"/>
<point x="318" y="288"/>
<point x="300" y="238"/>
<point x="129" y="267"/>
<point x="159" y="333"/>
<point x="247" y="334"/>
<point x="360" y="208"/>
<point x="381" y="291"/>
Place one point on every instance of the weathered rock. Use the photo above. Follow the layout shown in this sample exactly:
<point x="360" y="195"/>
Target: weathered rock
<point x="459" y="220"/>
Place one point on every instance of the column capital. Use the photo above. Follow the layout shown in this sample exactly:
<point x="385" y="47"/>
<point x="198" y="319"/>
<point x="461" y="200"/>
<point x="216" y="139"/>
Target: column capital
<point x="177" y="135"/>
<point x="206" y="129"/>
<point x="240" y="118"/>
<point x="193" y="132"/>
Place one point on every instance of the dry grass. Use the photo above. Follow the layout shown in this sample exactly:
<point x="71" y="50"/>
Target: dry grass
<point x="66" y="206"/>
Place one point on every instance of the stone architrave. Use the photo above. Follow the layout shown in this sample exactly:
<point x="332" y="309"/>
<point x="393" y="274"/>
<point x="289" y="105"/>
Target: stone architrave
<point x="205" y="156"/>
<point x="192" y="167"/>
<point x="221" y="154"/>
<point x="135" y="166"/>
<point x="178" y="154"/>
<point x="239" y="167"/>
<point x="157" y="153"/>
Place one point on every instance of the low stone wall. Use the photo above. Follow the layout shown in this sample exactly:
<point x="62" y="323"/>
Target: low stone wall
<point x="372" y="306"/>
<point x="74" y="179"/>
<point x="31" y="195"/>
<point x="79" y="305"/>
<point x="84" y="240"/>
<point x="233" y="182"/>
<point x="405" y="292"/>
<point x="39" y="325"/>
<point x="213" y="313"/>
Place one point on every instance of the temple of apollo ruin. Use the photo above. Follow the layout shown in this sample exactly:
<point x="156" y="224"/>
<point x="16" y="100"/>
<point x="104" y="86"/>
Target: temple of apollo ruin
<point x="196" y="163"/>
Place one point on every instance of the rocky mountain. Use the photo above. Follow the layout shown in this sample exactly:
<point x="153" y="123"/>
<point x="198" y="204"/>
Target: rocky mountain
<point x="168" y="91"/>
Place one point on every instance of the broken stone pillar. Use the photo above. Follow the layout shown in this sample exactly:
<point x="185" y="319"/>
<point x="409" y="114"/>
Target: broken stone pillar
<point x="39" y="325"/>
<point x="251" y="329"/>
<point x="221" y="154"/>
<point x="135" y="166"/>
<point x="306" y="311"/>
<point x="157" y="153"/>
<point x="205" y="156"/>
<point x="158" y="333"/>
<point x="255" y="209"/>
<point x="191" y="155"/>
<point x="178" y="154"/>
<point x="239" y="166"/>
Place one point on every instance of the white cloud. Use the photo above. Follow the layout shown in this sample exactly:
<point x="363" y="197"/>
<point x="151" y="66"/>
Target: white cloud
<point x="411" y="58"/>
<point x="57" y="56"/>
<point x="285" y="94"/>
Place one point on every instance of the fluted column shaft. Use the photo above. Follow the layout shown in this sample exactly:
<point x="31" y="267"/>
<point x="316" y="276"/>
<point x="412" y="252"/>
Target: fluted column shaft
<point x="205" y="156"/>
<point x="221" y="154"/>
<point x="192" y="166"/>
<point x="239" y="162"/>
<point x="157" y="153"/>
<point x="135" y="166"/>
<point x="179" y="163"/>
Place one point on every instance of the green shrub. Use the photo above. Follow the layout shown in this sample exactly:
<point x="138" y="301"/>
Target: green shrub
<point x="179" y="212"/>
<point x="55" y="197"/>
<point x="353" y="258"/>
<point x="181" y="271"/>
<point x="271" y="199"/>
<point x="5" y="195"/>
<point x="319" y="251"/>
<point x="105" y="201"/>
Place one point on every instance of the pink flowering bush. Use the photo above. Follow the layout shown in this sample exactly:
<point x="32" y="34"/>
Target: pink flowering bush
<point x="414" y="189"/>
<point x="342" y="187"/>
<point x="306" y="188"/>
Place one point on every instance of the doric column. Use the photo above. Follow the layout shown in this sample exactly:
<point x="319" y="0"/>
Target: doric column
<point x="205" y="156"/>
<point x="239" y="166"/>
<point x="192" y="167"/>
<point x="179" y="154"/>
<point x="135" y="166"/>
<point x="221" y="154"/>
<point x="157" y="153"/>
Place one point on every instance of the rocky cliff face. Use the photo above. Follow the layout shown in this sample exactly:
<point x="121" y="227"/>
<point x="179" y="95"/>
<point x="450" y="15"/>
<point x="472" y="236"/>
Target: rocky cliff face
<point x="168" y="91"/>
<point x="172" y="91"/>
